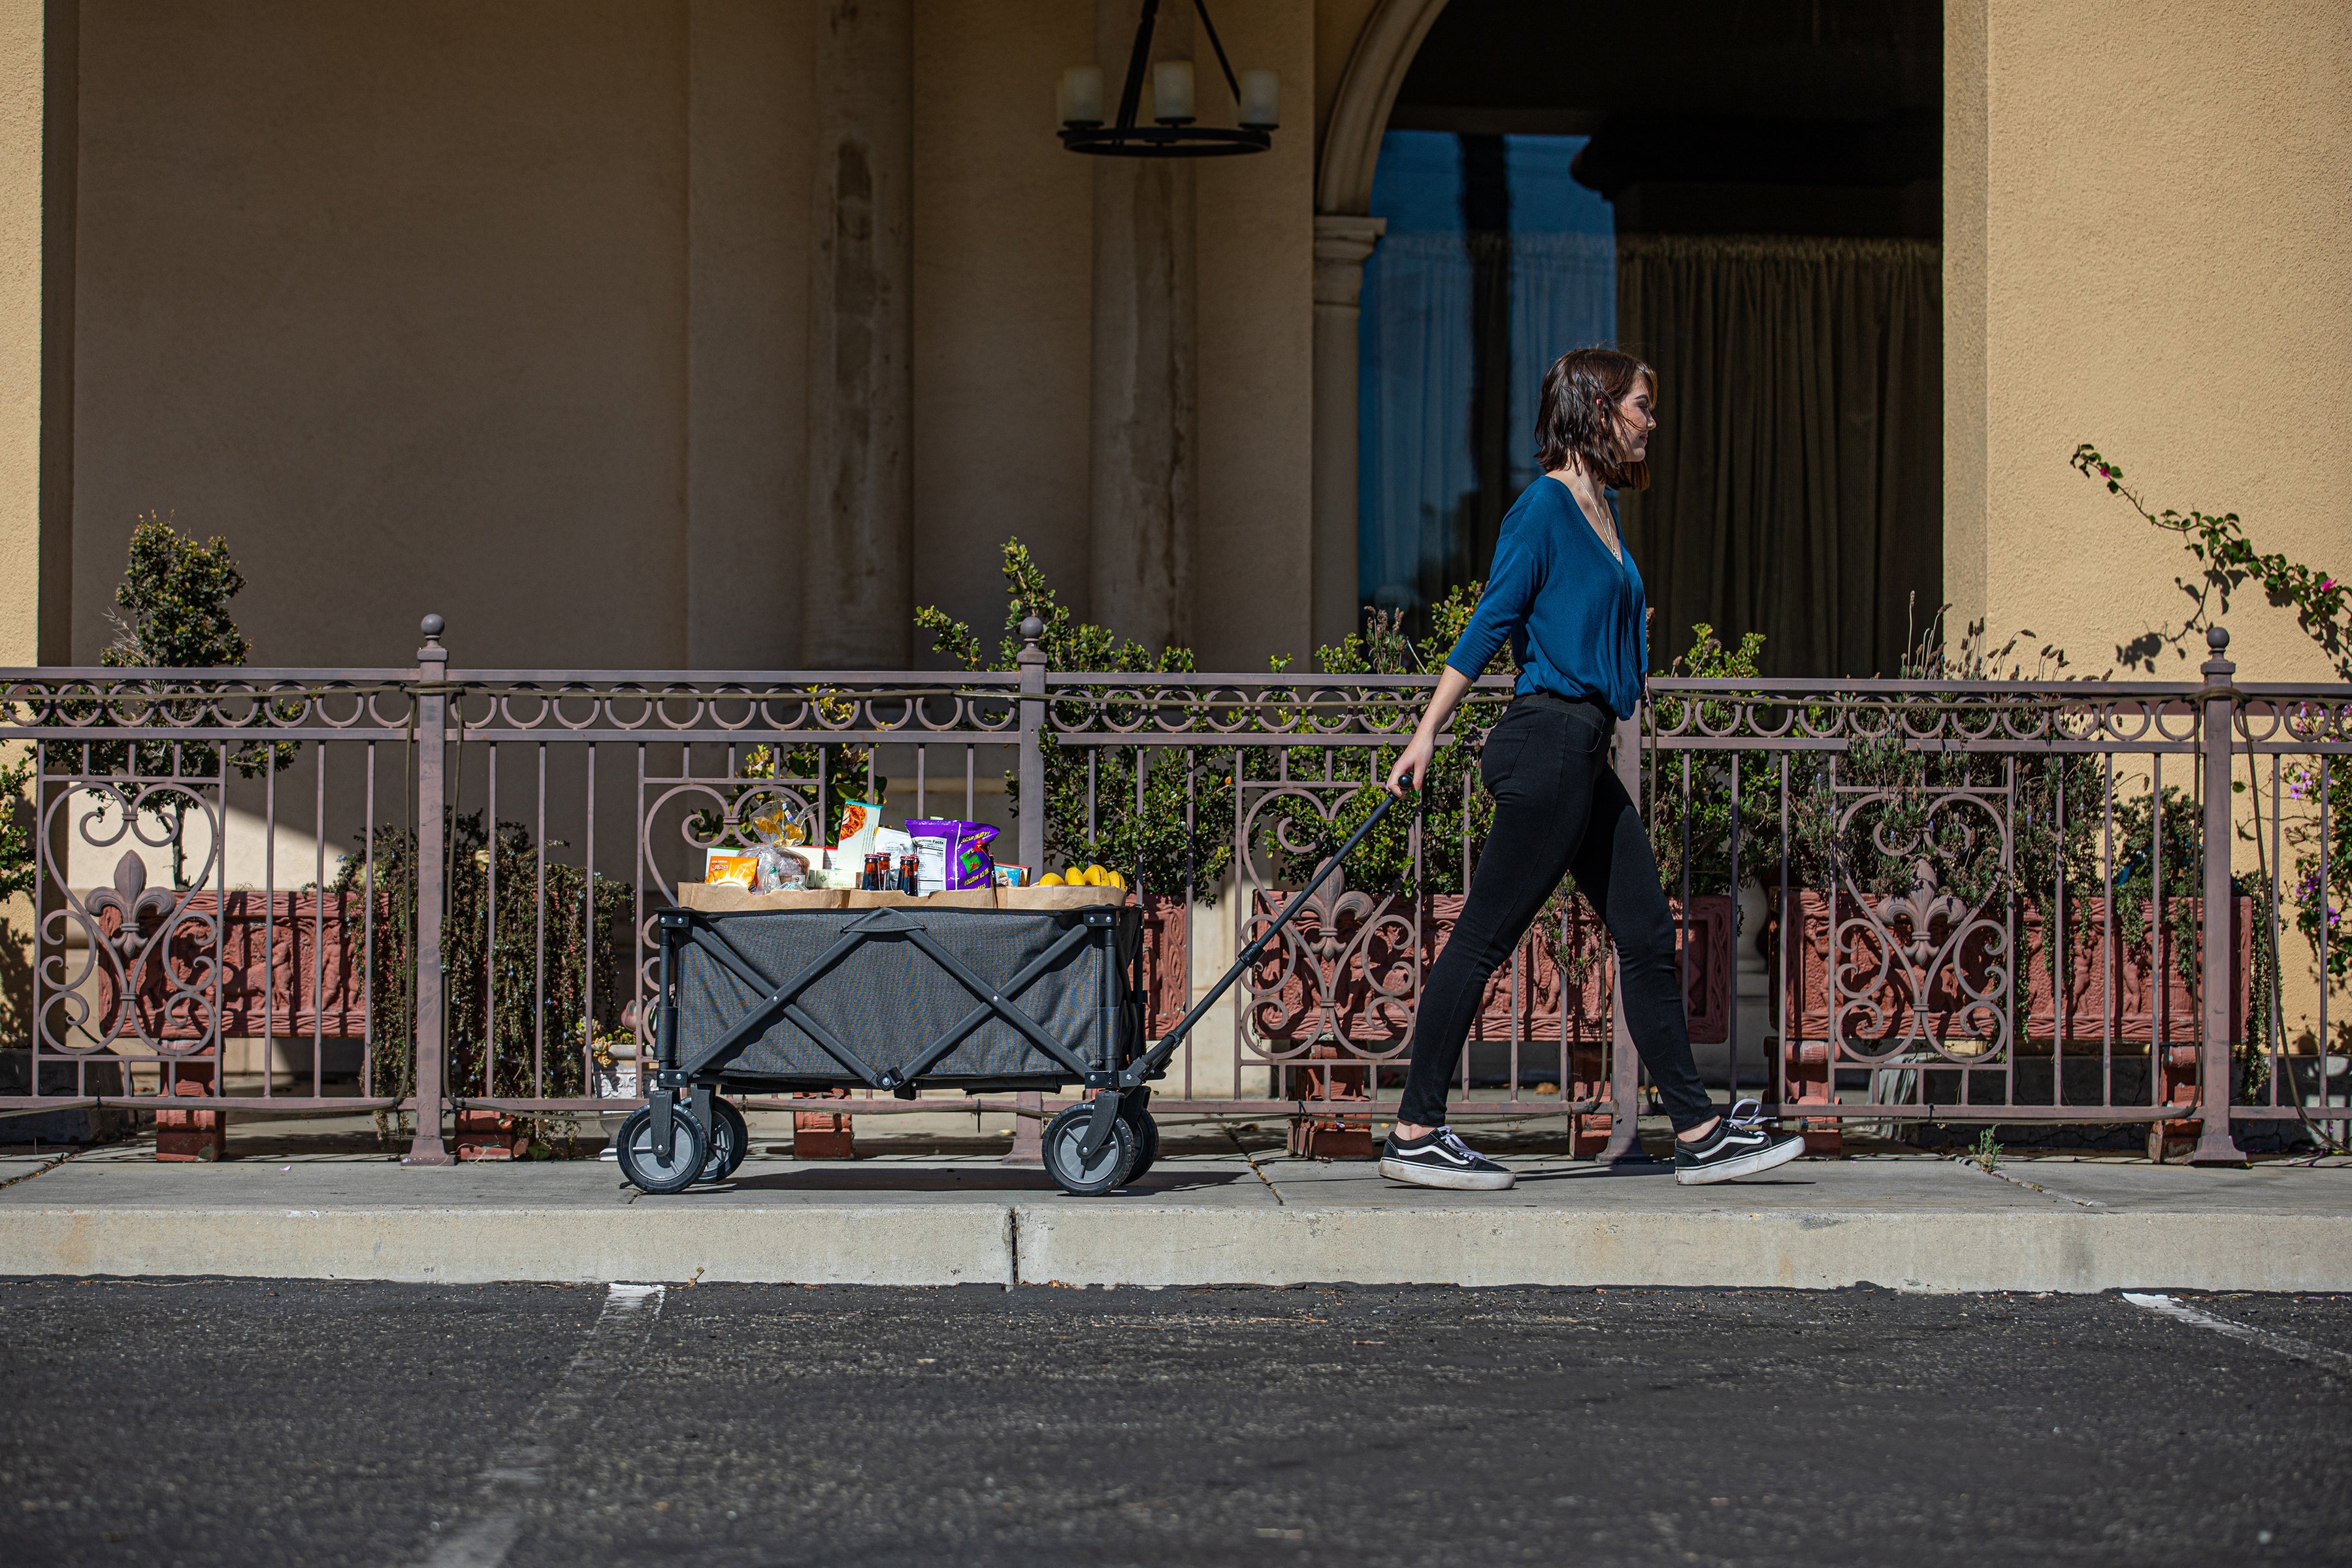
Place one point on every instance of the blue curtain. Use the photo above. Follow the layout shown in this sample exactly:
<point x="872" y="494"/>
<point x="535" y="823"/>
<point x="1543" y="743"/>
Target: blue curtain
<point x="1563" y="296"/>
<point x="1417" y="474"/>
<point x="1414" y="466"/>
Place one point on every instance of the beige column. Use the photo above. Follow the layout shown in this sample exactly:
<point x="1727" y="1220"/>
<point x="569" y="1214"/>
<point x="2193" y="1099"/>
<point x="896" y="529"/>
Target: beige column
<point x="857" y="590"/>
<point x="37" y="188"/>
<point x="1342" y="245"/>
<point x="1143" y="489"/>
<point x="1966" y="278"/>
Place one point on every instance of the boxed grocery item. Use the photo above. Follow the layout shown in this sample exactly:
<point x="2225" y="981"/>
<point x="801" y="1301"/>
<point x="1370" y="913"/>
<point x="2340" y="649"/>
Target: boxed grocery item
<point x="952" y="855"/>
<point x="735" y="868"/>
<point x="860" y="821"/>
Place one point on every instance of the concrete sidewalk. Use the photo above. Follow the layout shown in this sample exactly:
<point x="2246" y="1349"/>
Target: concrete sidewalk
<point x="1910" y="1223"/>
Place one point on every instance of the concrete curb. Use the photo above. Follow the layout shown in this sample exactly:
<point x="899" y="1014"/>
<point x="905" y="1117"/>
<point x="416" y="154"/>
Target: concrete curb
<point x="1114" y="1243"/>
<point x="938" y="1244"/>
<point x="1928" y="1251"/>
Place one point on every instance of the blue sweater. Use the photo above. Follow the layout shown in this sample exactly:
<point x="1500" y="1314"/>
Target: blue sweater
<point x="1573" y="614"/>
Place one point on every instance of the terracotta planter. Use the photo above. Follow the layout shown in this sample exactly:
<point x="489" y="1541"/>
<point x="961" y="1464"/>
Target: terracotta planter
<point x="2117" y="996"/>
<point x="490" y="1135"/>
<point x="825" y="1134"/>
<point x="1948" y="995"/>
<point x="291" y="964"/>
<point x="200" y="1135"/>
<point x="1346" y="966"/>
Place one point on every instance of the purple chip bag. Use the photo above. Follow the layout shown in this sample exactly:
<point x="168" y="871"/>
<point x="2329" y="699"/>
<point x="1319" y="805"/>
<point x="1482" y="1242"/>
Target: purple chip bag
<point x="952" y="855"/>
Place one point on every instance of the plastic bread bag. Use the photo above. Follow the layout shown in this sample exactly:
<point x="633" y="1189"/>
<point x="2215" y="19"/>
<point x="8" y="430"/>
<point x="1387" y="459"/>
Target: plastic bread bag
<point x="775" y="825"/>
<point x="781" y="870"/>
<point x="952" y="855"/>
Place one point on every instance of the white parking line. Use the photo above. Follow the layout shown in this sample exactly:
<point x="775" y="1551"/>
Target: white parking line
<point x="2284" y="1345"/>
<point x="563" y="1419"/>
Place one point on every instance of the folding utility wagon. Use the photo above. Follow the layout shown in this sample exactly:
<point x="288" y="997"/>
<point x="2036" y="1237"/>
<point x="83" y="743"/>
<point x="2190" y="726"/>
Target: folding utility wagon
<point x="913" y="996"/>
<point x="900" y="998"/>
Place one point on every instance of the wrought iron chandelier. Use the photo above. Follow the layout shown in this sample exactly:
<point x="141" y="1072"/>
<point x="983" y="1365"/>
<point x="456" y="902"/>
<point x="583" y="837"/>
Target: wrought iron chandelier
<point x="1171" y="131"/>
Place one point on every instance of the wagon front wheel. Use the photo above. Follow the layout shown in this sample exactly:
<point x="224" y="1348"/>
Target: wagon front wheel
<point x="1066" y="1134"/>
<point x="689" y="1147"/>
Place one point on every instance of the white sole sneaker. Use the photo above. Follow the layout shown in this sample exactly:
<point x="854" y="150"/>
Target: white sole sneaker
<point x="1764" y="1159"/>
<point x="1414" y="1176"/>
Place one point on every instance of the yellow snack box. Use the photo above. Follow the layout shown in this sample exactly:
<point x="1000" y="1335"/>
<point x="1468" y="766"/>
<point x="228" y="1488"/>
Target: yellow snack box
<point x="730" y="867"/>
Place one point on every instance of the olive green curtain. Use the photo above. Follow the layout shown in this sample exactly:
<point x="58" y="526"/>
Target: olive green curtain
<point x="1797" y="477"/>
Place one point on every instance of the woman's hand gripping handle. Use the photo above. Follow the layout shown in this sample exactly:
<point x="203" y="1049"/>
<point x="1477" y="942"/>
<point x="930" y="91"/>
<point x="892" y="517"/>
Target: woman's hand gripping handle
<point x="1413" y="764"/>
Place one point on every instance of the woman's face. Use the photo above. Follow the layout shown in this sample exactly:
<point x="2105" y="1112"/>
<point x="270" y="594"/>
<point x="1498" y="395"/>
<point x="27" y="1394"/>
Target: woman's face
<point x="1637" y="418"/>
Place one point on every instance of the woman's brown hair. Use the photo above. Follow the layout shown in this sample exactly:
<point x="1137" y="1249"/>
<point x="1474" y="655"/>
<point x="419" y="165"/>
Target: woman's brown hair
<point x="1579" y="418"/>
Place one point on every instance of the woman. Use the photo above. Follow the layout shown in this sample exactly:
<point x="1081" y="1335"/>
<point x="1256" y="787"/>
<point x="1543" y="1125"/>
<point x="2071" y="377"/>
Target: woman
<point x="1566" y="596"/>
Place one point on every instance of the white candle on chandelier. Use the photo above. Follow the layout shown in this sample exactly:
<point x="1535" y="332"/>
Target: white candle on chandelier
<point x="1261" y="100"/>
<point x="1171" y="85"/>
<point x="1078" y="97"/>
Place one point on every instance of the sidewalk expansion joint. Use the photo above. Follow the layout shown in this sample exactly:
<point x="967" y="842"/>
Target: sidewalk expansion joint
<point x="2031" y="1186"/>
<point x="44" y="1170"/>
<point x="1255" y="1168"/>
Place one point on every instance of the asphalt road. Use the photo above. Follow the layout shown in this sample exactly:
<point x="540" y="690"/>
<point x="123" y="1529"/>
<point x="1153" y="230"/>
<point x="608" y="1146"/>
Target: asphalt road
<point x="326" y="1424"/>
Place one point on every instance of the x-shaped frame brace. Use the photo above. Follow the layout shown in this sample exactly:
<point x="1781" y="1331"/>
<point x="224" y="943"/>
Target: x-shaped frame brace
<point x="782" y="1000"/>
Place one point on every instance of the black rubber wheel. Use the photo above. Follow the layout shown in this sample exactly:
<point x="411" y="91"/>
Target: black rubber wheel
<point x="1066" y="1134"/>
<point x="730" y="1139"/>
<point x="1147" y="1143"/>
<point x="689" y="1149"/>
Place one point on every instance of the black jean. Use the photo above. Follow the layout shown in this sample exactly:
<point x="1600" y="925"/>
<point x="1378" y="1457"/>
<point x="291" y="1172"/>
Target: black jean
<point x="1559" y="807"/>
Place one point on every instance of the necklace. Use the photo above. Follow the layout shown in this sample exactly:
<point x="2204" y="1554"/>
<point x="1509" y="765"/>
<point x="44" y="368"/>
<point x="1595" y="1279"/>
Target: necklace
<point x="1608" y="535"/>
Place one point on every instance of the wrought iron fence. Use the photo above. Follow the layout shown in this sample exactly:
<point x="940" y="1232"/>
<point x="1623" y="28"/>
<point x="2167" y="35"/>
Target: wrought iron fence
<point x="1900" y="902"/>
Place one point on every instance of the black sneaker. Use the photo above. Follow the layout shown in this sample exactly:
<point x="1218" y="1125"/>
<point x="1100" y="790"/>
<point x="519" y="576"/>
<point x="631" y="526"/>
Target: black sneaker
<point x="1740" y="1145"/>
<point x="1440" y="1159"/>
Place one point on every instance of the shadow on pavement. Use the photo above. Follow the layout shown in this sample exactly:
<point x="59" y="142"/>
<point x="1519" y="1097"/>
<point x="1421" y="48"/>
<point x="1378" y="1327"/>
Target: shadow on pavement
<point x="902" y="1179"/>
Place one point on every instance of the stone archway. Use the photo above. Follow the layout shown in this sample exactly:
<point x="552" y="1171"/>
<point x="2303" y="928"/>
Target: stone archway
<point x="1344" y="238"/>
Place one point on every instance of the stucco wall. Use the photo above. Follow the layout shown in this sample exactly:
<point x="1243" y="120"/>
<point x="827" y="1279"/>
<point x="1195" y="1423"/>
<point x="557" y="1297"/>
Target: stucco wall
<point x="2149" y="208"/>
<point x="1003" y="285"/>
<point x="394" y="297"/>
<point x="501" y="310"/>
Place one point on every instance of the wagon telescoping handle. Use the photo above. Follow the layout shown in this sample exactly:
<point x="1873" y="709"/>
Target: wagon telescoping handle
<point x="1157" y="1057"/>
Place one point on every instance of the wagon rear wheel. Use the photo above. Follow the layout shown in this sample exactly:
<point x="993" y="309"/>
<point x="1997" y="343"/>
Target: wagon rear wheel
<point x="1146" y="1143"/>
<point x="730" y="1139"/>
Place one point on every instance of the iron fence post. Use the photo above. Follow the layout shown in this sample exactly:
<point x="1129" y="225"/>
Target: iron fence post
<point x="432" y="853"/>
<point x="1624" y="1063"/>
<point x="2215" y="1145"/>
<point x="1028" y="1145"/>
<point x="1032" y="807"/>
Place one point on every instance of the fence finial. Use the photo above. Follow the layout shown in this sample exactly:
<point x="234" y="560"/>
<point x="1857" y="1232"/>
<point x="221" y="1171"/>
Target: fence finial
<point x="1032" y="632"/>
<point x="2217" y="669"/>
<point x="433" y="627"/>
